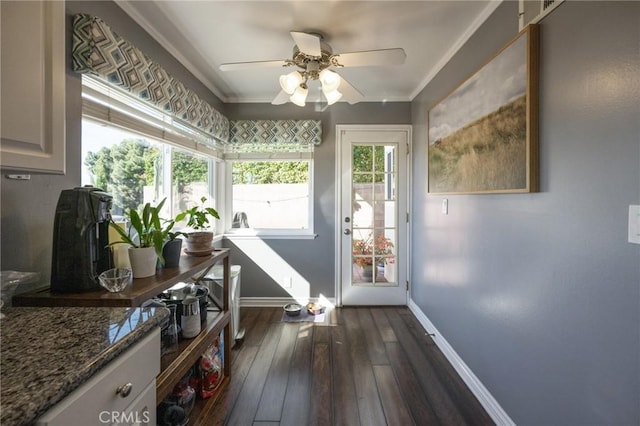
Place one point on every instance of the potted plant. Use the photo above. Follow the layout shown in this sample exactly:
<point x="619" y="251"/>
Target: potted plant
<point x="172" y="244"/>
<point x="371" y="252"/>
<point x="200" y="239"/>
<point x="147" y="241"/>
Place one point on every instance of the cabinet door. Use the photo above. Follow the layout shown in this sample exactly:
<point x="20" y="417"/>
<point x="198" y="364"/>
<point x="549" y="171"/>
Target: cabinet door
<point x="33" y="86"/>
<point x="99" y="400"/>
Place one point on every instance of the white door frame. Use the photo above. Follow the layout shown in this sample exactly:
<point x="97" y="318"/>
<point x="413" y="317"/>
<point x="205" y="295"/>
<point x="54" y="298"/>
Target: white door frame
<point x="338" y="198"/>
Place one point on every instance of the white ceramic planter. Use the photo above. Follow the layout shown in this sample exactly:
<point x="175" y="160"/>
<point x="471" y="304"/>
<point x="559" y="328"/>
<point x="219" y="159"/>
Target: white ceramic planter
<point x="143" y="261"/>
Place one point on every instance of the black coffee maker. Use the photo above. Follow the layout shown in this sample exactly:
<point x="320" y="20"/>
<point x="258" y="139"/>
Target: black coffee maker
<point x="80" y="240"/>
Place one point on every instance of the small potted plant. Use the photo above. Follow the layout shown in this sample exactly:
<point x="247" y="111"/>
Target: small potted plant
<point x="199" y="220"/>
<point x="147" y="241"/>
<point x="172" y="247"/>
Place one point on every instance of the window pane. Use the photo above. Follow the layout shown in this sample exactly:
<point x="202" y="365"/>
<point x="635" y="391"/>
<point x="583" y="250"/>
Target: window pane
<point x="189" y="180"/>
<point x="270" y="194"/>
<point x="122" y="163"/>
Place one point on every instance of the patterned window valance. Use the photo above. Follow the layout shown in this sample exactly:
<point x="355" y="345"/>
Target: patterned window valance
<point x="100" y="51"/>
<point x="274" y="135"/>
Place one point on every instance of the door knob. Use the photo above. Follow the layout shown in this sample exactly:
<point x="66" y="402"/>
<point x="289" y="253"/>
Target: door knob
<point x="347" y="231"/>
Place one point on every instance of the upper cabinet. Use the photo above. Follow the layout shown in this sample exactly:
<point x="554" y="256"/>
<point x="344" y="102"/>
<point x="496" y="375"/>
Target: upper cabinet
<point x="32" y="71"/>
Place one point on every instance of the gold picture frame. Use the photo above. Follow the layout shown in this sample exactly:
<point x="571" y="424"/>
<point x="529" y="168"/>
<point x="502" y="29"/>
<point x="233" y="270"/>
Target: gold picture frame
<point x="483" y="135"/>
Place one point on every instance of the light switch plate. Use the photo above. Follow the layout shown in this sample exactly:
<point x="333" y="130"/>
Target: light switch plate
<point x="634" y="224"/>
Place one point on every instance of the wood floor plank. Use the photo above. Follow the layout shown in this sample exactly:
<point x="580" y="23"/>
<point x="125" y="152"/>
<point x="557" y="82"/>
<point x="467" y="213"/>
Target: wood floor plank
<point x="332" y="373"/>
<point x="275" y="387"/>
<point x="333" y="316"/>
<point x="410" y="386"/>
<point x="467" y="404"/>
<point x="295" y="410"/>
<point x="276" y="314"/>
<point x="369" y="404"/>
<point x="242" y="361"/>
<point x="320" y="409"/>
<point x="375" y="345"/>
<point x="384" y="328"/>
<point x="436" y="393"/>
<point x="345" y="410"/>
<point x="244" y="410"/>
<point x="395" y="408"/>
<point x="254" y="335"/>
<point x="321" y="335"/>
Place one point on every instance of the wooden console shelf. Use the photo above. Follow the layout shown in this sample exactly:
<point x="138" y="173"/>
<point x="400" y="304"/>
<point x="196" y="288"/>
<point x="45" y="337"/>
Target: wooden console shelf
<point x="175" y="365"/>
<point x="134" y="295"/>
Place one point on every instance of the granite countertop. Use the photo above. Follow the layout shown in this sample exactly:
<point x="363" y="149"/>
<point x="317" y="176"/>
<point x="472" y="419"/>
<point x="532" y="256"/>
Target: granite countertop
<point x="46" y="353"/>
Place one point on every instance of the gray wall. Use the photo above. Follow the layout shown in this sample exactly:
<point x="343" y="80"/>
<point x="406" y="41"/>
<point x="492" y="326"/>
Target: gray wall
<point x="313" y="259"/>
<point x="28" y="207"/>
<point x="540" y="293"/>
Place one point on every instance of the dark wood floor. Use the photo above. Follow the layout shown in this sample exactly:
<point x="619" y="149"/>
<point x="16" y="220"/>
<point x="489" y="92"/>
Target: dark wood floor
<point x="363" y="366"/>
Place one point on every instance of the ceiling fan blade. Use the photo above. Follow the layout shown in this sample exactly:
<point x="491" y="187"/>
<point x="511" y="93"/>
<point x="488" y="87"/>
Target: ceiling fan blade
<point x="234" y="66"/>
<point x="372" y="57"/>
<point x="281" y="98"/>
<point x="308" y="44"/>
<point x="349" y="93"/>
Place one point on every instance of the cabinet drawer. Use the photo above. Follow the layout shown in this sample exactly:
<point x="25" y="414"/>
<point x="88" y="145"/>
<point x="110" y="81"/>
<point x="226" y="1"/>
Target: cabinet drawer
<point x="142" y="410"/>
<point x="139" y="366"/>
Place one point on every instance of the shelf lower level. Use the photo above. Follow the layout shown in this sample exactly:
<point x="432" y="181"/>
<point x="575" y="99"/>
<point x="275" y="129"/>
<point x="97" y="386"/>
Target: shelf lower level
<point x="175" y="365"/>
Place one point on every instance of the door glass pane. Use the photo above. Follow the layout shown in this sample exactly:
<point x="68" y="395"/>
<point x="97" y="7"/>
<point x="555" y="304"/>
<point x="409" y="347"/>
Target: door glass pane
<point x="386" y="211"/>
<point x="362" y="159"/>
<point x="389" y="186"/>
<point x="362" y="212"/>
<point x="374" y="216"/>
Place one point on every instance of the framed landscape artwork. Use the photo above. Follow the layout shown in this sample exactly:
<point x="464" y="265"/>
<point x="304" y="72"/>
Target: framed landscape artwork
<point x="483" y="136"/>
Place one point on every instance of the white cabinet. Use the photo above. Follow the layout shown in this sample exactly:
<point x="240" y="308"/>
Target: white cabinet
<point x="122" y="393"/>
<point x="32" y="78"/>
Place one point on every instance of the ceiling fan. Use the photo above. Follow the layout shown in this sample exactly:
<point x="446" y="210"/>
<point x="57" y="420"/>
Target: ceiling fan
<point x="314" y="59"/>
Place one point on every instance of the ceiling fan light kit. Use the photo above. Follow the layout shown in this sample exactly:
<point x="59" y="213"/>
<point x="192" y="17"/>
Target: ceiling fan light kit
<point x="332" y="96"/>
<point x="290" y="81"/>
<point x="299" y="95"/>
<point x="329" y="79"/>
<point x="314" y="57"/>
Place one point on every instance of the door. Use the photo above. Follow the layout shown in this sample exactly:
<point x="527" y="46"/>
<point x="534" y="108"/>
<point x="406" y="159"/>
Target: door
<point x="373" y="180"/>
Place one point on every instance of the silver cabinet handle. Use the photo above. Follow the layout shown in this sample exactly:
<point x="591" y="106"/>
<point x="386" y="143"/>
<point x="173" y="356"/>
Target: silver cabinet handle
<point x="124" y="390"/>
<point x="347" y="231"/>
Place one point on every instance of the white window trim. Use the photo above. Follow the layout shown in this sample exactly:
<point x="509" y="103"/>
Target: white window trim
<point x="251" y="233"/>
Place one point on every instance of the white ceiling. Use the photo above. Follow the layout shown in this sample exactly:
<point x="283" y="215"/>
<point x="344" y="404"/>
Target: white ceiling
<point x="204" y="34"/>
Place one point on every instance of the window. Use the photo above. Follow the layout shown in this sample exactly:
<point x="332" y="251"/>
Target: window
<point x="140" y="155"/>
<point x="271" y="197"/>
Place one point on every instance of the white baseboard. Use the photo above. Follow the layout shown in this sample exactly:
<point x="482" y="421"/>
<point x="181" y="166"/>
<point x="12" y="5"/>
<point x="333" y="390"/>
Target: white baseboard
<point x="489" y="403"/>
<point x="270" y="302"/>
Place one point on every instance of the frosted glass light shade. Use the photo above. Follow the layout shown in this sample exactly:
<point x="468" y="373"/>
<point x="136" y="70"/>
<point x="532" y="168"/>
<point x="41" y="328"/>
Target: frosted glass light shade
<point x="290" y="81"/>
<point x="299" y="96"/>
<point x="332" y="96"/>
<point x="329" y="79"/>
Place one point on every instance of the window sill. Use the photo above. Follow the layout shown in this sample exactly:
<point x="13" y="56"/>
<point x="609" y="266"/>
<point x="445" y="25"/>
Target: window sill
<point x="268" y="236"/>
